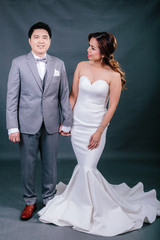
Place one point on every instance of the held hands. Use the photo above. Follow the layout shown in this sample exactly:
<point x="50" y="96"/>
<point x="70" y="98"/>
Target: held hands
<point x="14" y="137"/>
<point x="94" y="140"/>
<point x="65" y="134"/>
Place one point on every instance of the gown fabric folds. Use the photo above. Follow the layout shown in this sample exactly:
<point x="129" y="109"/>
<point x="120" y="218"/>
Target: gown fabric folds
<point x="89" y="203"/>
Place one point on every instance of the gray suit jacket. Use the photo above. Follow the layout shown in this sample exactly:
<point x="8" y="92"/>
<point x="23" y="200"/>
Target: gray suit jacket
<point x="28" y="105"/>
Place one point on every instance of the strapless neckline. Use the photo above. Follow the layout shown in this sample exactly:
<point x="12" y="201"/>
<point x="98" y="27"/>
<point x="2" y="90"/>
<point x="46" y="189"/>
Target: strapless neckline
<point x="92" y="83"/>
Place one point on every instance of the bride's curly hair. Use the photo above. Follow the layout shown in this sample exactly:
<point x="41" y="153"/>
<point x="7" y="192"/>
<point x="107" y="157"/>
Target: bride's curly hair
<point x="107" y="45"/>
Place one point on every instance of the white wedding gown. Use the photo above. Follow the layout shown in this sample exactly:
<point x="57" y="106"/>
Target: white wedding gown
<point x="89" y="203"/>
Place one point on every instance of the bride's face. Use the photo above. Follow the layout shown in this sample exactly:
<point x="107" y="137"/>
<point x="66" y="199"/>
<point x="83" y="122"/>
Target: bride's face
<point x="94" y="53"/>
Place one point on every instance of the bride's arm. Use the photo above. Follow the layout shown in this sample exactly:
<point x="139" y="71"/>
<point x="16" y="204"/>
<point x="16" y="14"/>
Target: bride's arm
<point x="115" y="92"/>
<point x="74" y="91"/>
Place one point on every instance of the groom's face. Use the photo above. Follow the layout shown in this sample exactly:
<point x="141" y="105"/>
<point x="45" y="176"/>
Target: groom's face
<point x="40" y="42"/>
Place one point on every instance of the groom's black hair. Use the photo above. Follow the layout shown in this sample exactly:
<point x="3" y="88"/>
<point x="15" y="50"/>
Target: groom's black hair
<point x="39" y="25"/>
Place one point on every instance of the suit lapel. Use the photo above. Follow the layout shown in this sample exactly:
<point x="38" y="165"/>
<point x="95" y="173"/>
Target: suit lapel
<point x="50" y="71"/>
<point x="33" y="68"/>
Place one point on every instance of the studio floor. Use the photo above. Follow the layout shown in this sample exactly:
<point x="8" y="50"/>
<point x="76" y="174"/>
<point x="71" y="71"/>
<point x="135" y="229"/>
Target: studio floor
<point x="11" y="202"/>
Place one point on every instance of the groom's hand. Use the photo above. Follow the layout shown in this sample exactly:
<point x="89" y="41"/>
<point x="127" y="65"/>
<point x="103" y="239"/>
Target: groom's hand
<point x="65" y="134"/>
<point x="14" y="137"/>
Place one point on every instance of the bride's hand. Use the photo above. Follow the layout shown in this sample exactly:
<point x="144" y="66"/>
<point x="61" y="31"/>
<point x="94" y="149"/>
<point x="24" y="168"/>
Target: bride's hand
<point x="94" y="140"/>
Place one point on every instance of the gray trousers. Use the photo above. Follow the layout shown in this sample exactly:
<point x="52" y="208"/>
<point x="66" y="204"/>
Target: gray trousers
<point x="29" y="145"/>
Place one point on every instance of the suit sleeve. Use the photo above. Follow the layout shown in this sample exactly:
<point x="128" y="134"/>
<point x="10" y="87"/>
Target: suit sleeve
<point x="13" y="90"/>
<point x="64" y="99"/>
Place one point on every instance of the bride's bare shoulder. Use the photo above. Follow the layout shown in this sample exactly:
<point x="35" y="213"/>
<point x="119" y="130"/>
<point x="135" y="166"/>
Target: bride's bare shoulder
<point x="83" y="64"/>
<point x="112" y="73"/>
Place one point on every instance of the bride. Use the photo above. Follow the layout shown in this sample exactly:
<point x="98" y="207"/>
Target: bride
<point x="89" y="203"/>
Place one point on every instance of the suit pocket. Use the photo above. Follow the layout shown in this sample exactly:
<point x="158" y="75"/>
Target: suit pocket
<point x="55" y="82"/>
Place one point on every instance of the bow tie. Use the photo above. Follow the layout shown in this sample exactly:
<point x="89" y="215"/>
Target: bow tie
<point x="44" y="59"/>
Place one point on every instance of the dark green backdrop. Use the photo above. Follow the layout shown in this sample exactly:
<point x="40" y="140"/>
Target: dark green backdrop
<point x="134" y="130"/>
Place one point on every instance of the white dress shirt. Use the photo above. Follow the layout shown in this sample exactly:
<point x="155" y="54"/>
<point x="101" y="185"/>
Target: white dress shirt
<point x="41" y="67"/>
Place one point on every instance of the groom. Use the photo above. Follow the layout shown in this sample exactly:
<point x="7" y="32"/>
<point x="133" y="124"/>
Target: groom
<point x="37" y="91"/>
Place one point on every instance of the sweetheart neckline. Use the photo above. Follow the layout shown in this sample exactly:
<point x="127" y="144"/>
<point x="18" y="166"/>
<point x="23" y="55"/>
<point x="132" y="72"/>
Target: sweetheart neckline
<point x="92" y="83"/>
